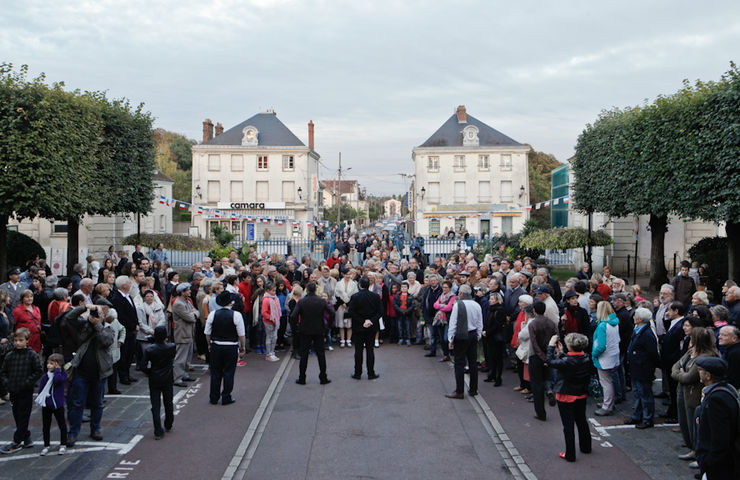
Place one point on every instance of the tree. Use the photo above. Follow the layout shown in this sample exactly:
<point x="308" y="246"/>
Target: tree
<point x="348" y="213"/>
<point x="170" y="148"/>
<point x="541" y="166"/>
<point x="564" y="238"/>
<point x="182" y="150"/>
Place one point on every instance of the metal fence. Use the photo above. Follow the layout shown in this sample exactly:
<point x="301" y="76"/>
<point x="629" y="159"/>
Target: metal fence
<point x="559" y="257"/>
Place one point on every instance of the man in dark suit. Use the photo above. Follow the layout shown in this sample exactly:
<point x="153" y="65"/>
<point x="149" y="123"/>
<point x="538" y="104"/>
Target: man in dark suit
<point x="365" y="309"/>
<point x="729" y="338"/>
<point x="124" y="305"/>
<point x="157" y="364"/>
<point x="309" y="316"/>
<point x="511" y="300"/>
<point x="642" y="352"/>
<point x="541" y="330"/>
<point x="670" y="354"/>
<point x="718" y="422"/>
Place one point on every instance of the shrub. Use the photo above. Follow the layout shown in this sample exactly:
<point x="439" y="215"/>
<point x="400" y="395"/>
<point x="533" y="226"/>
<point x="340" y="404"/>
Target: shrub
<point x="170" y="241"/>
<point x="222" y="236"/>
<point x="713" y="252"/>
<point x="21" y="249"/>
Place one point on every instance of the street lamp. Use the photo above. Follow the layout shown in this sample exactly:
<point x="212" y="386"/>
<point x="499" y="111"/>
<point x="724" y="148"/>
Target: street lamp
<point x="423" y="191"/>
<point x="521" y="191"/>
<point x="197" y="191"/>
<point x="300" y="193"/>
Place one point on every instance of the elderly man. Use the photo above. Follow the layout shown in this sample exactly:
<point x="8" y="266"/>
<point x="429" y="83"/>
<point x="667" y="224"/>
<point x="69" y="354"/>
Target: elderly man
<point x="557" y="293"/>
<point x="464" y="330"/>
<point x="511" y="299"/>
<point x="717" y="423"/>
<point x="664" y="301"/>
<point x="14" y="288"/>
<point x="184" y="316"/>
<point x="732" y="302"/>
<point x="643" y="359"/>
<point x="86" y="289"/>
<point x="729" y="338"/>
<point x="124" y="304"/>
<point x="552" y="312"/>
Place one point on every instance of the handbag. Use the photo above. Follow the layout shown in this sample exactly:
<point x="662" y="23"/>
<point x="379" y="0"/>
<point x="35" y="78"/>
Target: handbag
<point x="439" y="318"/>
<point x="381" y="323"/>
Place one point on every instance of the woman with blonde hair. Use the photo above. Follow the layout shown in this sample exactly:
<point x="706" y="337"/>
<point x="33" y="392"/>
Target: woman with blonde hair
<point x="605" y="353"/>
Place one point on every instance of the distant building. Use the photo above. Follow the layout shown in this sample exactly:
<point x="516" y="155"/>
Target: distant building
<point x="97" y="232"/>
<point x="679" y="238"/>
<point x="392" y="207"/>
<point x="469" y="175"/>
<point x="256" y="169"/>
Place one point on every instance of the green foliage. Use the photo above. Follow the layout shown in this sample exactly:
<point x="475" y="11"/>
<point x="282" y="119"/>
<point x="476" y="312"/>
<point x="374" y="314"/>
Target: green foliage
<point x="174" y="159"/>
<point x="564" y="238"/>
<point x="507" y="246"/>
<point x="713" y="252"/>
<point x="220" y="252"/>
<point x="22" y="248"/>
<point x="348" y="213"/>
<point x="170" y="241"/>
<point x="222" y="236"/>
<point x="541" y="166"/>
<point x="181" y="150"/>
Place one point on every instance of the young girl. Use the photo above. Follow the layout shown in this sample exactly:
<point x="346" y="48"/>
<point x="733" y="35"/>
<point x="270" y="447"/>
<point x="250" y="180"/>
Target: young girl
<point x="271" y="319"/>
<point x="51" y="400"/>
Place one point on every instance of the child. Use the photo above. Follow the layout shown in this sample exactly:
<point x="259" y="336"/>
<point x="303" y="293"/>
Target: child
<point x="51" y="400"/>
<point x="403" y="304"/>
<point x="157" y="363"/>
<point x="19" y="373"/>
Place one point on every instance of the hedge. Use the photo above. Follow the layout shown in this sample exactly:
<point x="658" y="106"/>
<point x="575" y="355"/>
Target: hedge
<point x="21" y="249"/>
<point x="170" y="241"/>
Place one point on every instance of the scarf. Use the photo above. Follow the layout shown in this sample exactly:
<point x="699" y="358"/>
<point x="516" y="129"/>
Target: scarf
<point x="274" y="309"/>
<point x="46" y="391"/>
<point x="571" y="324"/>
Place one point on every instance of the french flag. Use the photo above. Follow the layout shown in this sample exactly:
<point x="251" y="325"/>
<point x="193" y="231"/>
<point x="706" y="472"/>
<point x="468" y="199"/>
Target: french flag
<point x="217" y="213"/>
<point x="529" y="207"/>
<point x="200" y="209"/>
<point x="233" y="216"/>
<point x="182" y="206"/>
<point x="547" y="203"/>
<point x="566" y="199"/>
<point x="162" y="199"/>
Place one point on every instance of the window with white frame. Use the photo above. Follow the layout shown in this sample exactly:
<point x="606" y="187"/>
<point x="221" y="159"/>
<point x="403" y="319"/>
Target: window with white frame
<point x="434" y="226"/>
<point x="214" y="191"/>
<point x="484" y="191"/>
<point x="262" y="162"/>
<point x="263" y="192"/>
<point x="459" y="192"/>
<point x="506" y="161"/>
<point x="433" y="164"/>
<point x="433" y="192"/>
<point x="214" y="163"/>
<point x="237" y="163"/>
<point x="506" y="195"/>
<point x="484" y="163"/>
<point x="459" y="163"/>
<point x="288" y="163"/>
<point x="289" y="192"/>
<point x="237" y="191"/>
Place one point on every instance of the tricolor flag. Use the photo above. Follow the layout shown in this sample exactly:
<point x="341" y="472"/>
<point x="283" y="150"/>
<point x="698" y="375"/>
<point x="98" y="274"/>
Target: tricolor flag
<point x="233" y="216"/>
<point x="217" y="213"/>
<point x="566" y="199"/>
<point x="547" y="203"/>
<point x="538" y="206"/>
<point x="556" y="201"/>
<point x="200" y="209"/>
<point x="280" y="222"/>
<point x="529" y="207"/>
<point x="182" y="206"/>
<point x="162" y="199"/>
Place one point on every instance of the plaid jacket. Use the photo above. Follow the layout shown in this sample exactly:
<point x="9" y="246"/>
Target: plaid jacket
<point x="21" y="369"/>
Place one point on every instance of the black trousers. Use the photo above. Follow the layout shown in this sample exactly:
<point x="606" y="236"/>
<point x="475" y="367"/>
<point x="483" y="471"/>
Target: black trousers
<point x="22" y="403"/>
<point x="537" y="375"/>
<point x="128" y="350"/>
<point x="673" y="393"/>
<point x="466" y="351"/>
<point x="223" y="360"/>
<point x="295" y="341"/>
<point x="161" y="393"/>
<point x="495" y="353"/>
<point x="46" y="414"/>
<point x="113" y="379"/>
<point x="364" y="340"/>
<point x="570" y="414"/>
<point x="317" y="342"/>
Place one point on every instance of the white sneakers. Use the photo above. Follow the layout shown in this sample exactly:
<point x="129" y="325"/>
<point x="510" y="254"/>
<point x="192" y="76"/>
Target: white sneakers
<point x="272" y="358"/>
<point x="377" y="344"/>
<point x="62" y="450"/>
<point x="341" y="344"/>
<point x="349" y="343"/>
<point x="46" y="450"/>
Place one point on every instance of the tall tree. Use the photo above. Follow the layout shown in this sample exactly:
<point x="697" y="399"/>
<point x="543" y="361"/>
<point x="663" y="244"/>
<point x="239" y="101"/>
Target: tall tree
<point x="541" y="165"/>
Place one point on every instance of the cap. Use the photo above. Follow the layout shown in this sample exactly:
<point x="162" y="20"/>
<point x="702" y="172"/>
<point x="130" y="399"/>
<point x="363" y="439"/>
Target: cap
<point x="570" y="294"/>
<point x="542" y="289"/>
<point x="224" y="298"/>
<point x="465" y="273"/>
<point x="104" y="302"/>
<point x="714" y="365"/>
<point x="181" y="287"/>
<point x="526" y="273"/>
<point x="14" y="271"/>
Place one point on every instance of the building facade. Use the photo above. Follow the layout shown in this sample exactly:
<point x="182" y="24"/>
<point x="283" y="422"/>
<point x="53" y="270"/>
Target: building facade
<point x="470" y="176"/>
<point x="98" y="232"/>
<point x="258" y="170"/>
<point x="392" y="208"/>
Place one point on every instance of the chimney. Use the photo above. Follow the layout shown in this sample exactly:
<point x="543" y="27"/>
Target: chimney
<point x="310" y="134"/>
<point x="462" y="117"/>
<point x="207" y="130"/>
<point x="219" y="129"/>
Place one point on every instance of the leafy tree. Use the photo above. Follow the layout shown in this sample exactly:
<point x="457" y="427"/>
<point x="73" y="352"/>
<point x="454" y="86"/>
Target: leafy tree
<point x="541" y="166"/>
<point x="181" y="150"/>
<point x="222" y="236"/>
<point x="22" y="248"/>
<point x="564" y="238"/>
<point x="170" y="241"/>
<point x="348" y="213"/>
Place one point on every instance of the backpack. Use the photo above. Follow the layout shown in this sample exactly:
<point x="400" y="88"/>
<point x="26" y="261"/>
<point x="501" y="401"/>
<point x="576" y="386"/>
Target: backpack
<point x="736" y="395"/>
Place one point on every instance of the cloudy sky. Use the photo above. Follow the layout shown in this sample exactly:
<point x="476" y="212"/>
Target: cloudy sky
<point x="377" y="78"/>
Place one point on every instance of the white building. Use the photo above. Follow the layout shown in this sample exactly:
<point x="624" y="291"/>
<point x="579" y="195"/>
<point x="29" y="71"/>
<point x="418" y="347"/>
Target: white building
<point x="469" y="175"/>
<point x="392" y="208"/>
<point x="97" y="232"/>
<point x="257" y="169"/>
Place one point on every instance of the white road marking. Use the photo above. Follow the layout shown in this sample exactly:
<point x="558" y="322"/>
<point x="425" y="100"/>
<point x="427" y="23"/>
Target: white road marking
<point x="123" y="449"/>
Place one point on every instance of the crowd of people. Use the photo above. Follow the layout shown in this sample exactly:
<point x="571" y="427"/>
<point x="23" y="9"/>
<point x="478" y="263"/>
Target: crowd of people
<point x="595" y="336"/>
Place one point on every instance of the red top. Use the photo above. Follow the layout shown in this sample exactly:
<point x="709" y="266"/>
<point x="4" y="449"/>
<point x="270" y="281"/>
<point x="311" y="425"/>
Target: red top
<point x="245" y="288"/>
<point x="31" y="321"/>
<point x="517" y="328"/>
<point x="605" y="291"/>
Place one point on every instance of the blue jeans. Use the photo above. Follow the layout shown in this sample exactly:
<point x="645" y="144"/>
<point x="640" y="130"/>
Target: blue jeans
<point x="404" y="327"/>
<point x="77" y="397"/>
<point x="419" y="332"/>
<point x="439" y="337"/>
<point x="644" y="406"/>
<point x="618" y="380"/>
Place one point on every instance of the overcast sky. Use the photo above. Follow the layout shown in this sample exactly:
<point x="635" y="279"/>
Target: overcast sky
<point x="377" y="78"/>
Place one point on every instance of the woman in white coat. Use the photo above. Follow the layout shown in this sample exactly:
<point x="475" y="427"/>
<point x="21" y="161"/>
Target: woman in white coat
<point x="344" y="290"/>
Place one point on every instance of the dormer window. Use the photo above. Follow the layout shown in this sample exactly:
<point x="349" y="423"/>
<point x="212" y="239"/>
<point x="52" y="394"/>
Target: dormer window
<point x="470" y="136"/>
<point x="249" y="139"/>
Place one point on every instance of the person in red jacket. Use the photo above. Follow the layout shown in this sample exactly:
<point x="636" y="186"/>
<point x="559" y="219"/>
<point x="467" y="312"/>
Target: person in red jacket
<point x="27" y="315"/>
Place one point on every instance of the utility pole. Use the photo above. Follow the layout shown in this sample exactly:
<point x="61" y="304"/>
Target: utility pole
<point x="339" y="197"/>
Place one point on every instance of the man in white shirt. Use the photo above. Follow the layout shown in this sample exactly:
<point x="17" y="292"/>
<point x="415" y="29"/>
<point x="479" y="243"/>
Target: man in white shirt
<point x="464" y="331"/>
<point x="86" y="289"/>
<point x="226" y="339"/>
<point x="552" y="312"/>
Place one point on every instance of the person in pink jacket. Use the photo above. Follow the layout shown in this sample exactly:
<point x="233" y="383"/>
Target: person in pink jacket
<point x="271" y="313"/>
<point x="443" y="307"/>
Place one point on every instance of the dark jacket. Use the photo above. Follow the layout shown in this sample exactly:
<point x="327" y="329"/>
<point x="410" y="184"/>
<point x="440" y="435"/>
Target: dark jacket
<point x="427" y="306"/>
<point x="126" y="312"/>
<point x="643" y="354"/>
<point x="309" y="312"/>
<point x="541" y="330"/>
<point x="557" y="293"/>
<point x="670" y="350"/>
<point x="20" y="370"/>
<point x="574" y="372"/>
<point x="157" y="363"/>
<point x="718" y="429"/>
<point x="96" y="335"/>
<point x="511" y="301"/>
<point x="59" y="380"/>
<point x="364" y="305"/>
<point x="626" y="327"/>
<point x="684" y="288"/>
<point x="732" y="356"/>
<point x="734" y="308"/>
<point x="397" y="306"/>
<point x="494" y="322"/>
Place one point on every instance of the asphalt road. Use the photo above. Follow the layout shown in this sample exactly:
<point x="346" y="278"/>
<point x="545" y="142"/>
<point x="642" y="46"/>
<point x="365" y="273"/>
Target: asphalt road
<point x="398" y="426"/>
